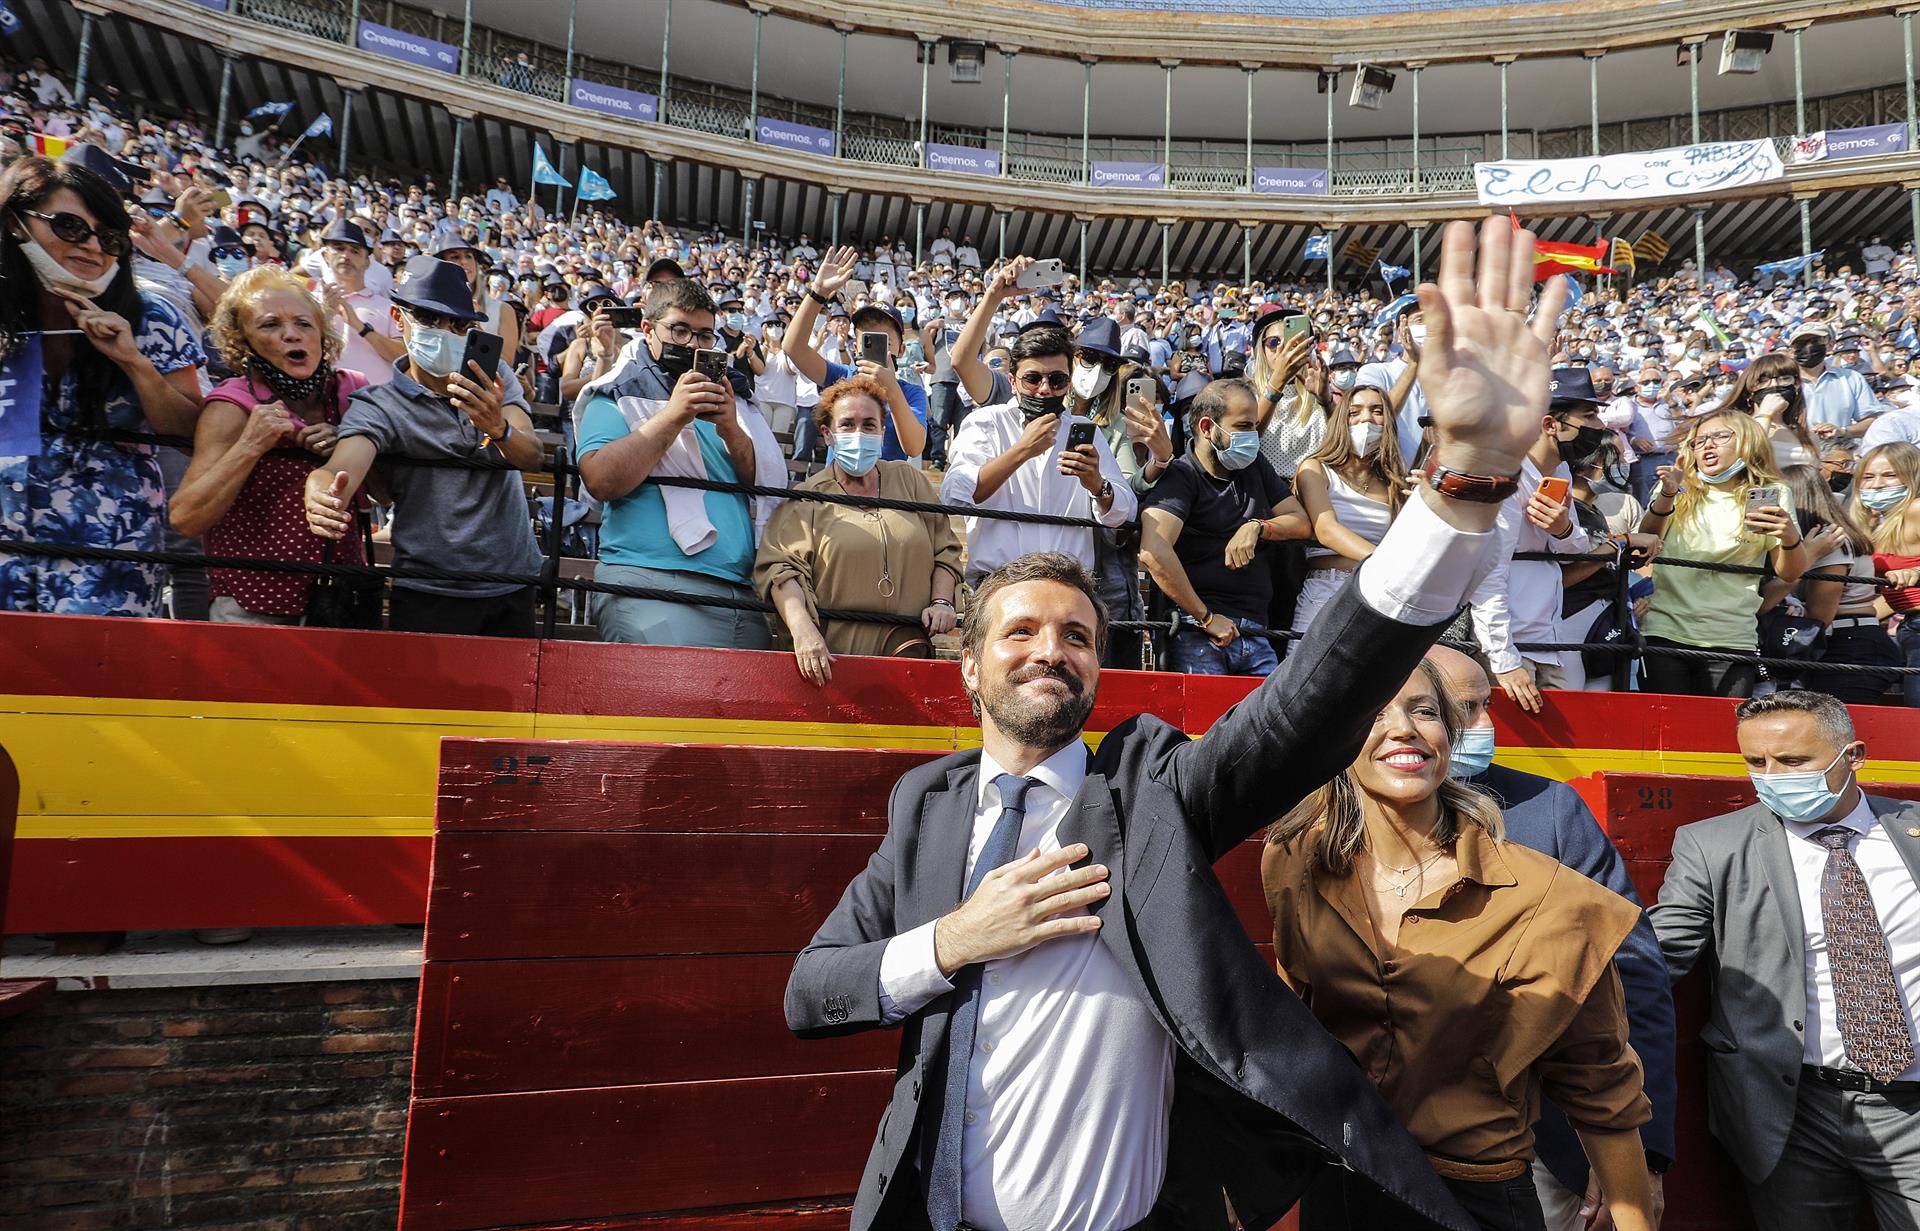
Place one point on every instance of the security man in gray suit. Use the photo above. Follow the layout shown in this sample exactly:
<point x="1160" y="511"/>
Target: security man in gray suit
<point x="1804" y="912"/>
<point x="1089" y="1039"/>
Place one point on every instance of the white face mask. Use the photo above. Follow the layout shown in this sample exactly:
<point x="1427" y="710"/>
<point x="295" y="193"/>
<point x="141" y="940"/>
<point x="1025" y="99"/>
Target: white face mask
<point x="1364" y="436"/>
<point x="1344" y="378"/>
<point x="55" y="276"/>
<point x="1418" y="333"/>
<point x="1090" y="380"/>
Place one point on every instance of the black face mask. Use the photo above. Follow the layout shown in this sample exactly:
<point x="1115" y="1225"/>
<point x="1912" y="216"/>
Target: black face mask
<point x="1033" y="405"/>
<point x="1585" y="443"/>
<point x="1840" y="481"/>
<point x="675" y="360"/>
<point x="1809" y="354"/>
<point x="289" y="388"/>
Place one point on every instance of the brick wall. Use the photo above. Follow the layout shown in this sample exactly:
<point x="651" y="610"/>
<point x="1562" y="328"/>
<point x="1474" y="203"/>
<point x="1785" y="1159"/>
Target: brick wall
<point x="265" y="1107"/>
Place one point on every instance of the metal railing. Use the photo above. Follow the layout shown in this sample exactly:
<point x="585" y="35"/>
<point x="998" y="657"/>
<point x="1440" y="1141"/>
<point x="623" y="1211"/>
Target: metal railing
<point x="321" y="20"/>
<point x="888" y="151"/>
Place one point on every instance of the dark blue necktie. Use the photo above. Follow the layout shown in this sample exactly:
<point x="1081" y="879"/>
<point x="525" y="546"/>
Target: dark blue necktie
<point x="944" y="1177"/>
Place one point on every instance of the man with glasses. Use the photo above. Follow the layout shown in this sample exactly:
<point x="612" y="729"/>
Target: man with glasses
<point x="452" y="517"/>
<point x="1019" y="456"/>
<point x="633" y="425"/>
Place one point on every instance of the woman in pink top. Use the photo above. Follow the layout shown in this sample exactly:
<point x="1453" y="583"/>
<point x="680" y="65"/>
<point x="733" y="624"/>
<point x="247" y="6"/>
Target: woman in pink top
<point x="244" y="491"/>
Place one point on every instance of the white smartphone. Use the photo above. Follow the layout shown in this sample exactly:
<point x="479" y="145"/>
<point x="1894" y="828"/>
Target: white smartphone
<point x="1050" y="272"/>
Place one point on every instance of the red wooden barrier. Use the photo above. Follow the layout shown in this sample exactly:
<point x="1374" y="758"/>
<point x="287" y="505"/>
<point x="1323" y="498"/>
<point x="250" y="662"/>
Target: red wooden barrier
<point x="609" y="931"/>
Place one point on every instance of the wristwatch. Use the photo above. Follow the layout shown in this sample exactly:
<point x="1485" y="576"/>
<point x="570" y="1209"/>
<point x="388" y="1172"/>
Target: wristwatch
<point x="818" y="298"/>
<point x="365" y="329"/>
<point x="1106" y="490"/>
<point x="1476" y="488"/>
<point x="503" y="438"/>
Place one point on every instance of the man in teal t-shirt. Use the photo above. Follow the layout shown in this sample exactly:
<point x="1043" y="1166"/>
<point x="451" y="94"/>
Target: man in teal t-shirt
<point x="691" y="542"/>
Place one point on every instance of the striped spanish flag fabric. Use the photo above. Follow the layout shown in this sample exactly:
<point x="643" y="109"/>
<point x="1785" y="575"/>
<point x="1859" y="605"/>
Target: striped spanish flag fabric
<point x="1652" y="248"/>
<point x="1550" y="259"/>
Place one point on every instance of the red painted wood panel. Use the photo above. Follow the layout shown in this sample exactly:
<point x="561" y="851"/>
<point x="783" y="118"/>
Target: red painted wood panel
<point x="506" y="1159"/>
<point x="508" y="785"/>
<point x="613" y="895"/>
<point x="98" y="656"/>
<point x="808" y="1216"/>
<point x="129" y="884"/>
<point x="562" y="1024"/>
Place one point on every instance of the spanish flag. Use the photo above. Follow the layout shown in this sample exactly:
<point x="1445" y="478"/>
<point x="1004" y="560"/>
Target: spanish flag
<point x="1550" y="259"/>
<point x="48" y="147"/>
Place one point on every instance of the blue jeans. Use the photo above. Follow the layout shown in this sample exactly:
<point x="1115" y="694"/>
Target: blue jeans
<point x="1909" y="640"/>
<point x="646" y="621"/>
<point x="1195" y="653"/>
<point x="1645" y="473"/>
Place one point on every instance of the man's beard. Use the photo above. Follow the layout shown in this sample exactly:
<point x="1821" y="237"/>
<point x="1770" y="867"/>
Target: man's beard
<point x="1039" y="722"/>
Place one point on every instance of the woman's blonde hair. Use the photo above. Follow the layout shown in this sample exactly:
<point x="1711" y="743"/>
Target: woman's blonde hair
<point x="1333" y="818"/>
<point x="1386" y="464"/>
<point x="1751" y="445"/>
<point x="1885" y="527"/>
<point x="228" y="328"/>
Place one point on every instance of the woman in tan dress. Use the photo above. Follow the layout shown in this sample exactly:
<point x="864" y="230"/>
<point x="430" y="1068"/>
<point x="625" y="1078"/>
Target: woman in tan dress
<point x="818" y="557"/>
<point x="1467" y="975"/>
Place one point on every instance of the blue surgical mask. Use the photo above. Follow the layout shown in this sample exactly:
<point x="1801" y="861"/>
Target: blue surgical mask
<point x="1242" y="448"/>
<point x="230" y="266"/>
<point x="736" y="322"/>
<point x="856" y="452"/>
<point x="1728" y="475"/>
<point x="1880" y="499"/>
<point x="1799" y="796"/>
<point x="435" y="350"/>
<point x="1472" y="752"/>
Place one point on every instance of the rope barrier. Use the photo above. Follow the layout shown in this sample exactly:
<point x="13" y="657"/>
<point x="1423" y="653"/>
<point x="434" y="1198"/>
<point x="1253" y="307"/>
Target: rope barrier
<point x="952" y="510"/>
<point x="180" y="559"/>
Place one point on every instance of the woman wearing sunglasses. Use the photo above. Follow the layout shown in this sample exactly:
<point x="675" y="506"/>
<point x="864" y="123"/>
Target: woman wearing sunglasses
<point x="1723" y="502"/>
<point x="1292" y="425"/>
<point x="115" y="360"/>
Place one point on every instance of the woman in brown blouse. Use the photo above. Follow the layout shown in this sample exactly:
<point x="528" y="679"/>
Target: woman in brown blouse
<point x="816" y="556"/>
<point x="1467" y="975"/>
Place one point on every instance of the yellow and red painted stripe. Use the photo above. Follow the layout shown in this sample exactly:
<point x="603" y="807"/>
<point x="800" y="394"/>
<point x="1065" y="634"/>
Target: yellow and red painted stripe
<point x="194" y="775"/>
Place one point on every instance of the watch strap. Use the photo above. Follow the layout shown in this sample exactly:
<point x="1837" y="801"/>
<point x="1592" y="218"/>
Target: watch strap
<point x="1474" y="488"/>
<point x="818" y="298"/>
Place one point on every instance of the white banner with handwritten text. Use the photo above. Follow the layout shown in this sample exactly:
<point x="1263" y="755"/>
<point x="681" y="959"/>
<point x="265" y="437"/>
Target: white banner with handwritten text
<point x="1640" y="175"/>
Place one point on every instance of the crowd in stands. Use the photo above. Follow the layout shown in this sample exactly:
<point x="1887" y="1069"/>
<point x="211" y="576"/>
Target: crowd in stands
<point x="1224" y="454"/>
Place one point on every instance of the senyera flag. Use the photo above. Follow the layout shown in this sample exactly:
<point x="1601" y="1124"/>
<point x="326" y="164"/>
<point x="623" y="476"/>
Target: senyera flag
<point x="1550" y="259"/>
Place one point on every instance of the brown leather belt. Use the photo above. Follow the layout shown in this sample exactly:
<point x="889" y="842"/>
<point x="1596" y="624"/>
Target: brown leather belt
<point x="1478" y="1173"/>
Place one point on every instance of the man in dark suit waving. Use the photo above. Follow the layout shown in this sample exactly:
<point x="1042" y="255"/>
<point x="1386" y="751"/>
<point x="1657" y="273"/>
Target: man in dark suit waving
<point x="1804" y="910"/>
<point x="1089" y="1040"/>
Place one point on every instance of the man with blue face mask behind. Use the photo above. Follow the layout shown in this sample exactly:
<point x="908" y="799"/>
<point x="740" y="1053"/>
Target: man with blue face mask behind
<point x="445" y="516"/>
<point x="1203" y="524"/>
<point x="1549" y="817"/>
<point x="1803" y="908"/>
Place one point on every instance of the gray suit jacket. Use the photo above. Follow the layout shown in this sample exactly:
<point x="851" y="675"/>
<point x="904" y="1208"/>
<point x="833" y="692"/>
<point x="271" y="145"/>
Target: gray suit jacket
<point x="1263" y="1095"/>
<point x="1730" y="904"/>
